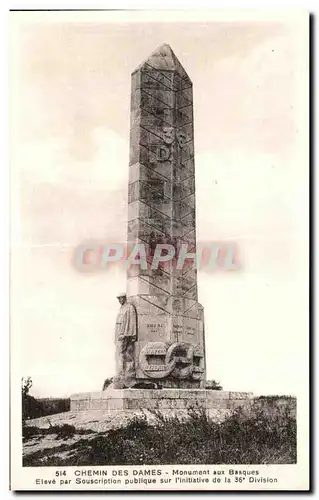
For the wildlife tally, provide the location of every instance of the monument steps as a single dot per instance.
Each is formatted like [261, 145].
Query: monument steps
[161, 399]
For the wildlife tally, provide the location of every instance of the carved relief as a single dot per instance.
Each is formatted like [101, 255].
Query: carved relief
[198, 366]
[163, 153]
[181, 355]
[170, 136]
[152, 360]
[180, 360]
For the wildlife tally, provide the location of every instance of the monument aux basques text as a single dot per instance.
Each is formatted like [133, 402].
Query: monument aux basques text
[160, 335]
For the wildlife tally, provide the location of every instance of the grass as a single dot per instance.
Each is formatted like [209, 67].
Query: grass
[275, 398]
[35, 408]
[251, 436]
[62, 431]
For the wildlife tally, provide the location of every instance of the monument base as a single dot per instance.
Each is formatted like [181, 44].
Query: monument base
[159, 399]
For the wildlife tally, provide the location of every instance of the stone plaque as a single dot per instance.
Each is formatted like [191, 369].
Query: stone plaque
[152, 327]
[180, 360]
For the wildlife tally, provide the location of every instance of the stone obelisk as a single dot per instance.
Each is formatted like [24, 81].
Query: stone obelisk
[161, 210]
[169, 352]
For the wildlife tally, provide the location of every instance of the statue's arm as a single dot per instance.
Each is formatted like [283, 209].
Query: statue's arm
[130, 323]
[134, 322]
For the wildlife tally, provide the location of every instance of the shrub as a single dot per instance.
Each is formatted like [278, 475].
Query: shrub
[107, 382]
[271, 397]
[64, 431]
[247, 436]
[213, 385]
[34, 408]
[50, 406]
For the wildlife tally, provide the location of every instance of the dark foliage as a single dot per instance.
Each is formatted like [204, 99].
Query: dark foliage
[213, 385]
[245, 437]
[50, 406]
[275, 398]
[64, 431]
[31, 408]
[106, 383]
[34, 408]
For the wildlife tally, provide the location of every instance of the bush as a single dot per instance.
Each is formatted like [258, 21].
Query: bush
[213, 385]
[34, 408]
[272, 398]
[31, 408]
[50, 406]
[251, 436]
[107, 382]
[64, 431]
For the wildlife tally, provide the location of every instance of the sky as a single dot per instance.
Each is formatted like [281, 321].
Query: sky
[70, 110]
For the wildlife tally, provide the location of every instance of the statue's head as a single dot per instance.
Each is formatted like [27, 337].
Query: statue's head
[121, 298]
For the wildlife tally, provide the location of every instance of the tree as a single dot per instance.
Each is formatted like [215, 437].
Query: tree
[31, 408]
[26, 384]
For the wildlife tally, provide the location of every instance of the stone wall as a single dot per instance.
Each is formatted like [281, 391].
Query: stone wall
[148, 399]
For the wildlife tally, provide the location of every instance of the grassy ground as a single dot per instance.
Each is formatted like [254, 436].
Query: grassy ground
[253, 436]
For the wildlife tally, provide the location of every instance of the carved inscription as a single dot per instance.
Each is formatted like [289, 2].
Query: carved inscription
[177, 329]
[154, 327]
[181, 360]
[152, 370]
[191, 330]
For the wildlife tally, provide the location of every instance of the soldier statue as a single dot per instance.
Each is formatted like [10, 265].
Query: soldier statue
[125, 336]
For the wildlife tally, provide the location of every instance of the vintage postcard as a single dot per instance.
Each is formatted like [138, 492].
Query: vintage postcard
[159, 250]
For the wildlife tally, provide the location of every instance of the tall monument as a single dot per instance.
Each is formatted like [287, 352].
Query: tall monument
[161, 211]
[159, 329]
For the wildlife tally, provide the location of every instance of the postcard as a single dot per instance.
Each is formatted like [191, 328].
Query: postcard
[159, 250]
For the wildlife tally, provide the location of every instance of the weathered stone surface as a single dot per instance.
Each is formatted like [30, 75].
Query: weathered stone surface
[240, 395]
[151, 399]
[169, 347]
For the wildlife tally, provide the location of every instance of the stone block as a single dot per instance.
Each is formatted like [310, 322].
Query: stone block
[166, 81]
[161, 399]
[164, 404]
[241, 395]
[236, 403]
[134, 404]
[212, 395]
[220, 404]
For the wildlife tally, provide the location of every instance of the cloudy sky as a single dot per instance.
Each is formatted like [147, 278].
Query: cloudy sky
[70, 98]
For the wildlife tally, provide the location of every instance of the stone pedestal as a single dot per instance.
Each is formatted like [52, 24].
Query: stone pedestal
[159, 399]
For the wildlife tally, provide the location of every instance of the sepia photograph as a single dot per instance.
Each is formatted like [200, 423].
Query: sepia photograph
[159, 291]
